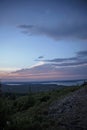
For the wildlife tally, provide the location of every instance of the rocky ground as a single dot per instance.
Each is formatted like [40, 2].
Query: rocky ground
[70, 112]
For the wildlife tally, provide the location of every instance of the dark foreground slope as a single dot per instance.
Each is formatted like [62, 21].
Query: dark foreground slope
[53, 110]
[71, 111]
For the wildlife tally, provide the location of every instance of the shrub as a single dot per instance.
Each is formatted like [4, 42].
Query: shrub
[45, 98]
[24, 103]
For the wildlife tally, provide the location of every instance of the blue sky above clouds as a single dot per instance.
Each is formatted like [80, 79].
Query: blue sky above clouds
[43, 39]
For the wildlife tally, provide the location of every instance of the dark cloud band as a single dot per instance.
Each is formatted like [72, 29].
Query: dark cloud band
[63, 30]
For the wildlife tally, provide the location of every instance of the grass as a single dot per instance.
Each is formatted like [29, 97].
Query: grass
[30, 112]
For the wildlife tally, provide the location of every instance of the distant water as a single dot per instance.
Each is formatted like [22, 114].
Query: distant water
[12, 84]
[24, 87]
[65, 83]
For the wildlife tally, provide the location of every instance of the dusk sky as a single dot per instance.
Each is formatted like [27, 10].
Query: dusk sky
[43, 40]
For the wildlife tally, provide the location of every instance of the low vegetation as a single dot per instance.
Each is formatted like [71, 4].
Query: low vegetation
[29, 112]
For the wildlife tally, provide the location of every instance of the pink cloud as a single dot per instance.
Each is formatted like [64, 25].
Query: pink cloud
[46, 72]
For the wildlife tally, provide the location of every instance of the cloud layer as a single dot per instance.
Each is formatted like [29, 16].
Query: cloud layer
[65, 19]
[63, 30]
[61, 66]
[54, 69]
[79, 60]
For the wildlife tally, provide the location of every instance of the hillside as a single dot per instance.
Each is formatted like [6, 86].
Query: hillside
[65, 108]
[71, 111]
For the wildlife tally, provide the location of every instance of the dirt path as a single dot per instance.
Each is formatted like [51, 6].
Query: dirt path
[70, 113]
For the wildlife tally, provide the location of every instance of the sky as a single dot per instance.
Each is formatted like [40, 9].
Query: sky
[43, 40]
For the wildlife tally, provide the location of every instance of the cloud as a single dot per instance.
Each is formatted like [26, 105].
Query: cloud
[36, 69]
[71, 64]
[82, 53]
[79, 60]
[50, 72]
[62, 59]
[68, 68]
[26, 26]
[40, 72]
[57, 68]
[60, 31]
[47, 72]
[40, 57]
